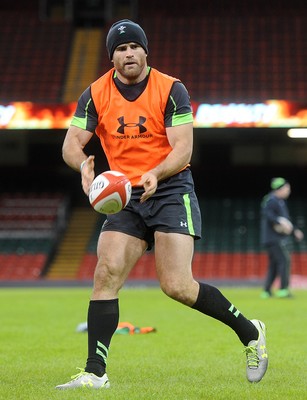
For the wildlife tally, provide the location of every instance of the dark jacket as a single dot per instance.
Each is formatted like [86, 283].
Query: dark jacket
[272, 207]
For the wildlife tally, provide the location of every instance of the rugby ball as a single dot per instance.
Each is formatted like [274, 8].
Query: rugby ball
[110, 192]
[284, 226]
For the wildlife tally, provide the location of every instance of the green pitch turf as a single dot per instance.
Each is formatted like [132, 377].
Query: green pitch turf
[190, 357]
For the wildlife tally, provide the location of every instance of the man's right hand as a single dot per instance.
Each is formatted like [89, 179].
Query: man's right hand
[87, 174]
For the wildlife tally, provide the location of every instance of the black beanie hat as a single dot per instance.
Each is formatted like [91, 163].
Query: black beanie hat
[125, 31]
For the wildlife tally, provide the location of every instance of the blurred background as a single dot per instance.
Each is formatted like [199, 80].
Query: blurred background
[235, 57]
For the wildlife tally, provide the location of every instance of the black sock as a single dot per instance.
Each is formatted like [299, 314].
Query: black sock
[210, 301]
[102, 321]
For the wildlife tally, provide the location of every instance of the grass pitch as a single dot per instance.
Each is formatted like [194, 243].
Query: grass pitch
[190, 357]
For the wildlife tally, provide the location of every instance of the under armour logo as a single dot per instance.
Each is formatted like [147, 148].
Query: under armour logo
[88, 383]
[123, 125]
[183, 224]
[121, 29]
[264, 354]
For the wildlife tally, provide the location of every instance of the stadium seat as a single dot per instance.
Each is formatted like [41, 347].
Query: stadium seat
[29, 226]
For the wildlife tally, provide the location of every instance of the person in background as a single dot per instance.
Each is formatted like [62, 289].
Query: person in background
[275, 231]
[144, 120]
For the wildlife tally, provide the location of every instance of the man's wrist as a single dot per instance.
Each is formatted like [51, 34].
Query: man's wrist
[82, 165]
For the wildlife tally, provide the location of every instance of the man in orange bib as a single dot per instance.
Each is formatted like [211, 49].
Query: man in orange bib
[144, 121]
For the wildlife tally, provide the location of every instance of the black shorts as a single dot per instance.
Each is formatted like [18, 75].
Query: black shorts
[174, 213]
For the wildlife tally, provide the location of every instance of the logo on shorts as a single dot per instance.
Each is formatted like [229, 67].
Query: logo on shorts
[184, 223]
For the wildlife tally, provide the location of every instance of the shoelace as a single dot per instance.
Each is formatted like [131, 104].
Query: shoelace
[252, 356]
[82, 372]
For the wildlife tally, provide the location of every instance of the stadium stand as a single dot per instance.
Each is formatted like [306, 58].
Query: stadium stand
[30, 226]
[230, 51]
[231, 59]
[73, 245]
[86, 45]
[33, 57]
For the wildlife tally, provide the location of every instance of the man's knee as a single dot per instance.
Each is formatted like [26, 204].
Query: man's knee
[179, 291]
